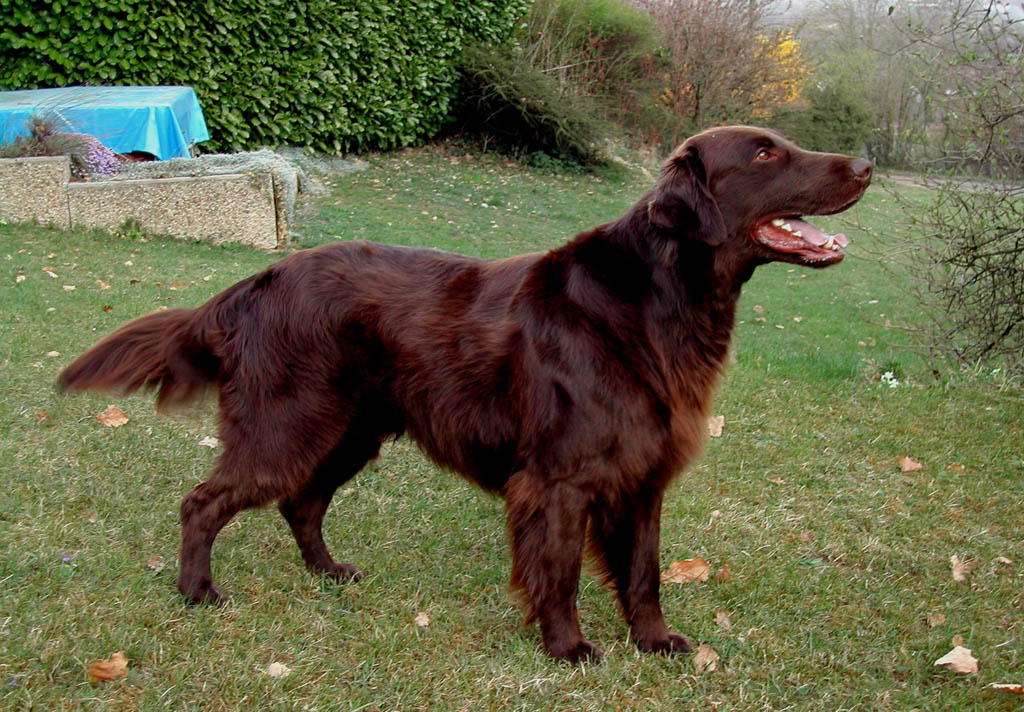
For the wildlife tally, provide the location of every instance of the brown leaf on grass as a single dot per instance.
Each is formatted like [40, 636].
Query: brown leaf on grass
[156, 563]
[705, 659]
[958, 660]
[960, 568]
[107, 308]
[687, 571]
[759, 309]
[1013, 688]
[908, 465]
[936, 619]
[278, 670]
[421, 619]
[723, 574]
[116, 666]
[956, 467]
[112, 417]
[777, 481]
[715, 425]
[101, 284]
[957, 641]
[723, 620]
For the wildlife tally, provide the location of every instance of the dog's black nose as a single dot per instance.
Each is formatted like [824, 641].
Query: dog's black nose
[861, 169]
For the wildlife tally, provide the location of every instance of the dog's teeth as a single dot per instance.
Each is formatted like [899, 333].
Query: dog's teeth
[788, 227]
[777, 222]
[797, 233]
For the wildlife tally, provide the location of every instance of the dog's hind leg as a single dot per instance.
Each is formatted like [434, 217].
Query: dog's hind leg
[624, 544]
[204, 512]
[304, 510]
[547, 524]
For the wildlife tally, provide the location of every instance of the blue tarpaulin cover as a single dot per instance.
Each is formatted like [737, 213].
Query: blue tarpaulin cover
[163, 121]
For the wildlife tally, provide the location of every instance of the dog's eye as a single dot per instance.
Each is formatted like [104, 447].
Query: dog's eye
[764, 155]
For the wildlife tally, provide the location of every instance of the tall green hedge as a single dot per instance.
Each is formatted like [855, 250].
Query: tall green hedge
[332, 75]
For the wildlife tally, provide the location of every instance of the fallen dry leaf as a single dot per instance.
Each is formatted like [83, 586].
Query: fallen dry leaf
[69, 287]
[723, 574]
[723, 620]
[908, 465]
[209, 441]
[936, 619]
[156, 563]
[957, 641]
[278, 670]
[421, 619]
[959, 660]
[116, 666]
[112, 417]
[777, 481]
[956, 467]
[705, 659]
[53, 354]
[1012, 687]
[687, 571]
[759, 309]
[1003, 560]
[19, 279]
[961, 568]
[101, 284]
[715, 425]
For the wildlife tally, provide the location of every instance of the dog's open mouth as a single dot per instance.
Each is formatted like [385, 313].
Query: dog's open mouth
[800, 241]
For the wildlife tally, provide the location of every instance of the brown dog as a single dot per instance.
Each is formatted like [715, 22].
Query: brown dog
[575, 383]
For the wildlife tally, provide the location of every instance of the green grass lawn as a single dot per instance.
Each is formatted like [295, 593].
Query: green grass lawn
[839, 562]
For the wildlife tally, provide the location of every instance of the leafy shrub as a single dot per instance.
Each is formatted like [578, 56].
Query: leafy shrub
[333, 75]
[834, 121]
[509, 99]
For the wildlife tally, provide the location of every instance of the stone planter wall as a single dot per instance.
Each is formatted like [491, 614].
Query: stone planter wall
[223, 208]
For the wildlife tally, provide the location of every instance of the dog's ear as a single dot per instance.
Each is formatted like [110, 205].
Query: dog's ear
[682, 201]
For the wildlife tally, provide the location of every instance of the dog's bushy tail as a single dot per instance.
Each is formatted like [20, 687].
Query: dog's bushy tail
[167, 350]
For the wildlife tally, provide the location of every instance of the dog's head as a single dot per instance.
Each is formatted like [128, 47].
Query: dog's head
[749, 189]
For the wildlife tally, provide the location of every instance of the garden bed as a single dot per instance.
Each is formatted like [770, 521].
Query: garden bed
[247, 208]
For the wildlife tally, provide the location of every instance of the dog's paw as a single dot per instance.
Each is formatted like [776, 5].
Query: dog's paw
[342, 572]
[206, 594]
[581, 651]
[671, 645]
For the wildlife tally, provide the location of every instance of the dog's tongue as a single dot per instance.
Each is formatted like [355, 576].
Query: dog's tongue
[815, 236]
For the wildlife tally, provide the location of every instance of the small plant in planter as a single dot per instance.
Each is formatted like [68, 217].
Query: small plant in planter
[88, 155]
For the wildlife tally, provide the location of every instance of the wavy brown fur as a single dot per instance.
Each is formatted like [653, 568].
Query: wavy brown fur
[575, 383]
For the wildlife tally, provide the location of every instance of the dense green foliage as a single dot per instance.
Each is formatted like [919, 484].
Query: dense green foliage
[578, 73]
[835, 120]
[506, 98]
[331, 75]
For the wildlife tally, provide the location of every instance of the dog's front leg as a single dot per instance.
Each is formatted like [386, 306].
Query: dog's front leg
[625, 546]
[547, 524]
